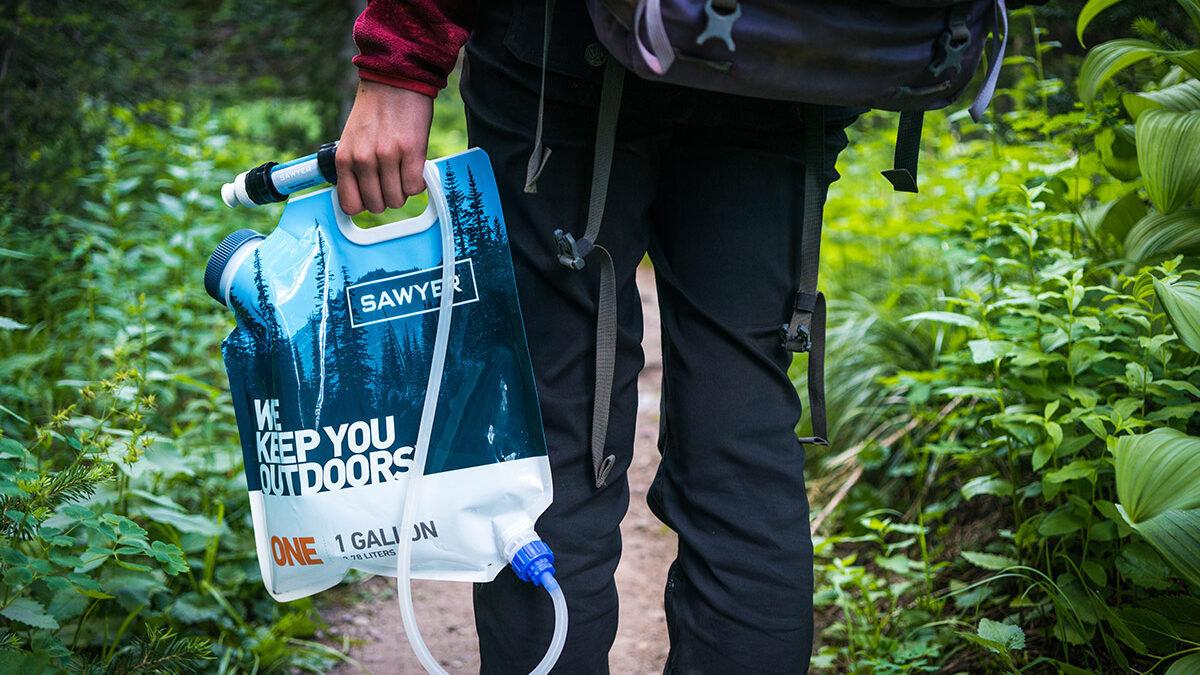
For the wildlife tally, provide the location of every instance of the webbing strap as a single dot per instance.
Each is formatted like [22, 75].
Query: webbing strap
[806, 330]
[903, 174]
[816, 377]
[571, 253]
[994, 60]
[814, 167]
[540, 154]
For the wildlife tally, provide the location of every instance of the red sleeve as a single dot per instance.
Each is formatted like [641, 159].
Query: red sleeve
[412, 44]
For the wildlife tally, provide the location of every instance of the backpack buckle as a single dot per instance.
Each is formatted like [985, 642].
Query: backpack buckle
[721, 15]
[952, 46]
[569, 251]
[797, 341]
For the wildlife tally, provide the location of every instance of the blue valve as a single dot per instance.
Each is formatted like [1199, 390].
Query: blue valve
[534, 562]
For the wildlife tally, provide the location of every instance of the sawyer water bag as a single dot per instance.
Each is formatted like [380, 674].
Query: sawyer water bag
[329, 368]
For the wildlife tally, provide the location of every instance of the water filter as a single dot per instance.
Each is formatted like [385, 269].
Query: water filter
[383, 390]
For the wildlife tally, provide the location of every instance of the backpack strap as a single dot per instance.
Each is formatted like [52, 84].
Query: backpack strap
[806, 330]
[903, 174]
[571, 252]
[995, 58]
[540, 154]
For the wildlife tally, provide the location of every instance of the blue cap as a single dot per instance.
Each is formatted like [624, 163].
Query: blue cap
[532, 561]
[220, 258]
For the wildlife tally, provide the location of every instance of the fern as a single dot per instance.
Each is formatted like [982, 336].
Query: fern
[158, 652]
[1149, 30]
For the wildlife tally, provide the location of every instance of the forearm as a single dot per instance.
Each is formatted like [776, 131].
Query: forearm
[412, 44]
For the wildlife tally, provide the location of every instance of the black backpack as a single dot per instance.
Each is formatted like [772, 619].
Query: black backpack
[902, 55]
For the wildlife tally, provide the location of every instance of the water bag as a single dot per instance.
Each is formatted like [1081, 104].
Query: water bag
[383, 389]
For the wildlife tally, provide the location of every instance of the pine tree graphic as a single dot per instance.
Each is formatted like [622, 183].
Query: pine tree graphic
[454, 201]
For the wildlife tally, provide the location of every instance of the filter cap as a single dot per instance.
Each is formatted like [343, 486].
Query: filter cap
[215, 269]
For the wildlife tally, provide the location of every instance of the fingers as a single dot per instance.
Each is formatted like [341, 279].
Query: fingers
[347, 188]
[368, 180]
[382, 150]
[411, 172]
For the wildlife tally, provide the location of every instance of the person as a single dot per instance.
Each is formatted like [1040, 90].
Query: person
[710, 186]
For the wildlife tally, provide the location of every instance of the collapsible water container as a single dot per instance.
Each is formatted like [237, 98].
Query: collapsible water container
[383, 390]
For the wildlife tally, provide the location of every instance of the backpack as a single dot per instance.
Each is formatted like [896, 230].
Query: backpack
[900, 55]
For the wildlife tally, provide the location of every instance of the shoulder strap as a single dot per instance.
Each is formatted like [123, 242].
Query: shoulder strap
[806, 330]
[571, 252]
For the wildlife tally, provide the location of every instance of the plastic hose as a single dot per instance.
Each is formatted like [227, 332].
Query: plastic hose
[560, 626]
[411, 497]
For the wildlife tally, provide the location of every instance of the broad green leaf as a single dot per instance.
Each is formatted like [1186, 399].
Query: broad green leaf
[1158, 484]
[1106, 60]
[1181, 97]
[1153, 629]
[991, 645]
[29, 612]
[967, 391]
[8, 324]
[1094, 571]
[944, 317]
[1114, 514]
[1156, 472]
[1041, 455]
[1012, 637]
[1080, 468]
[1118, 152]
[1089, 12]
[1167, 143]
[983, 351]
[989, 561]
[987, 485]
[1181, 301]
[1060, 521]
[1186, 665]
[1157, 236]
[1139, 563]
[1192, 7]
[184, 522]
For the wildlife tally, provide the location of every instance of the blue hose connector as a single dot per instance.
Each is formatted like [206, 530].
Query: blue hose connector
[534, 562]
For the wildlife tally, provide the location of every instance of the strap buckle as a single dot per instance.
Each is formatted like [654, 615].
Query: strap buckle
[569, 251]
[952, 45]
[796, 335]
[798, 341]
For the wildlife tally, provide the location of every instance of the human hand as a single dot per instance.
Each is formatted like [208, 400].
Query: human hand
[381, 154]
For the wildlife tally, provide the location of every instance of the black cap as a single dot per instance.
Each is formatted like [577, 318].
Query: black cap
[220, 258]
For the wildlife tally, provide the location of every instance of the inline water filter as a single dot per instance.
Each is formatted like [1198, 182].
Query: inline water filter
[383, 390]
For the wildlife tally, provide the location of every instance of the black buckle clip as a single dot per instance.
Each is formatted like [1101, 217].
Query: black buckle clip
[568, 250]
[797, 342]
[953, 45]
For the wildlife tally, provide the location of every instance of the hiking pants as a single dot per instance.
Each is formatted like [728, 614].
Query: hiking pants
[711, 187]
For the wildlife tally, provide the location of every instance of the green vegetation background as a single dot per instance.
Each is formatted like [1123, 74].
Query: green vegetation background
[1012, 378]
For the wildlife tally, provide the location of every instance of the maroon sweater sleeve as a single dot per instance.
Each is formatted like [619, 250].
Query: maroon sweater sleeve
[412, 43]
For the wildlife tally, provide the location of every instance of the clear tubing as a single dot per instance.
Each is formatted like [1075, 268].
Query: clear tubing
[560, 626]
[411, 498]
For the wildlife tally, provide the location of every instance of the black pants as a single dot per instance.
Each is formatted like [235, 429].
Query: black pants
[711, 186]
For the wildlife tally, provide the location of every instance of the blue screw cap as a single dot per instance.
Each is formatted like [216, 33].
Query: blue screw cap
[220, 258]
[532, 561]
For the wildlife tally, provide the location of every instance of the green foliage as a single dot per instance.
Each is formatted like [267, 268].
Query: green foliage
[128, 537]
[1042, 278]
[62, 64]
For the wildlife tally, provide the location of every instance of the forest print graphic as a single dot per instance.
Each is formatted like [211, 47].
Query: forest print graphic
[330, 358]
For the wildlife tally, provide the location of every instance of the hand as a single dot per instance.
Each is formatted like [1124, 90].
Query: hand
[381, 154]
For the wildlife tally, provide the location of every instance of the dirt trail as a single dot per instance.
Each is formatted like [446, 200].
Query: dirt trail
[370, 618]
